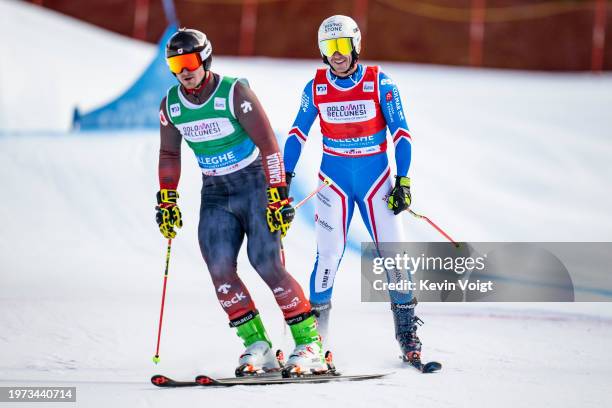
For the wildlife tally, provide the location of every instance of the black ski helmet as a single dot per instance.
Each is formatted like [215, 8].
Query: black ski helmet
[187, 41]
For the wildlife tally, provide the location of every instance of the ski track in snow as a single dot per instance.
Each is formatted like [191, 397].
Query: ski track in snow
[498, 155]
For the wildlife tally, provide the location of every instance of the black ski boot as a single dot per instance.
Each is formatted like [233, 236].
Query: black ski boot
[406, 324]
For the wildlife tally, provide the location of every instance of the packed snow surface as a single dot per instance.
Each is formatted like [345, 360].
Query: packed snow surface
[497, 156]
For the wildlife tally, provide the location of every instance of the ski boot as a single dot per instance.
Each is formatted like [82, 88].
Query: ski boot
[406, 324]
[322, 310]
[258, 357]
[307, 358]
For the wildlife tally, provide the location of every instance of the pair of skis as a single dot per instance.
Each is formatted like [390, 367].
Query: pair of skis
[279, 377]
[259, 379]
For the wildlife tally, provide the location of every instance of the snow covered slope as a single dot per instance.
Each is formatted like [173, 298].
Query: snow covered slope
[497, 156]
[51, 63]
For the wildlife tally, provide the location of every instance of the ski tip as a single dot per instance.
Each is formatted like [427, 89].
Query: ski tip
[431, 367]
[159, 380]
[204, 380]
[425, 368]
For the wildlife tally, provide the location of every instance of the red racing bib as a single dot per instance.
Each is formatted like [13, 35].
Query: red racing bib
[351, 112]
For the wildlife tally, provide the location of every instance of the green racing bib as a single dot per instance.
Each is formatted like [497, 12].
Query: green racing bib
[220, 143]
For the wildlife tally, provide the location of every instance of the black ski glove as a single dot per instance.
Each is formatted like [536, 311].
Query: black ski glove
[400, 198]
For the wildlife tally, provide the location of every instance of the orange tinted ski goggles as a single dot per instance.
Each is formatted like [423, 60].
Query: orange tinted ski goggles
[191, 62]
[343, 45]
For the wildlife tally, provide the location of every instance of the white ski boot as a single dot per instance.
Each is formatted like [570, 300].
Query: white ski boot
[307, 358]
[258, 358]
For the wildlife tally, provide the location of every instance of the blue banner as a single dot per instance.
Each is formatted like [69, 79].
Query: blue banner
[138, 107]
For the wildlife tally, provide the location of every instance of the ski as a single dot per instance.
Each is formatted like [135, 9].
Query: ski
[162, 381]
[207, 381]
[429, 367]
[259, 379]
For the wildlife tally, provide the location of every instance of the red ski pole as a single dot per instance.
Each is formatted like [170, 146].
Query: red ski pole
[435, 226]
[163, 301]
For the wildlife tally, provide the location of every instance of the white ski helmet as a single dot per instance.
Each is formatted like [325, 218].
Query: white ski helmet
[339, 26]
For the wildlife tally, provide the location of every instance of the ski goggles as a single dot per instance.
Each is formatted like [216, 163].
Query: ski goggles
[191, 62]
[343, 45]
